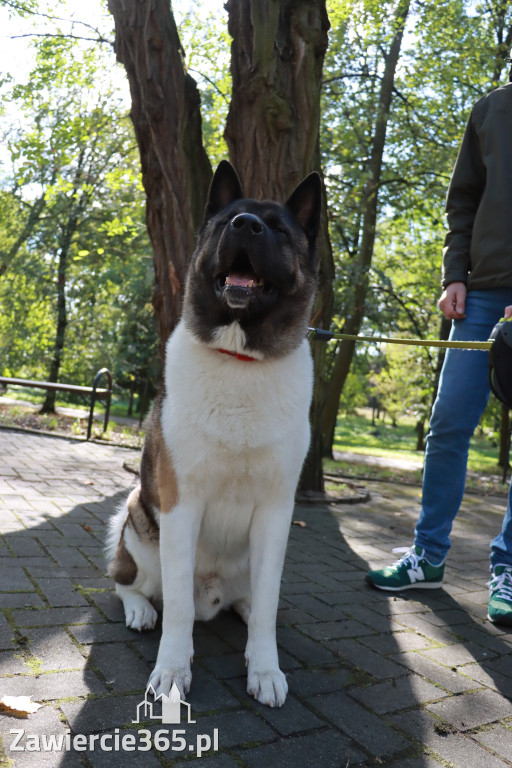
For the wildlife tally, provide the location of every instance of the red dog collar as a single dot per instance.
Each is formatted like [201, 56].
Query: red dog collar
[237, 355]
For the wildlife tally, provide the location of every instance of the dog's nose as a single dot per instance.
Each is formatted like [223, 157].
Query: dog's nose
[248, 222]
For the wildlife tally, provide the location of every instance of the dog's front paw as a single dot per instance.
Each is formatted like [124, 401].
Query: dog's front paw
[268, 686]
[162, 679]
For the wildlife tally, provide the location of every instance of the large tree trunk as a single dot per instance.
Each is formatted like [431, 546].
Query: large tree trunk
[370, 208]
[272, 133]
[176, 172]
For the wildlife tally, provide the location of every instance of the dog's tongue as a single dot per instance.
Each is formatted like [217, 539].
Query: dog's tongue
[244, 281]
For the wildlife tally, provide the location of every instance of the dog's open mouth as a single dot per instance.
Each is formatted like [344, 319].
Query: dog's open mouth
[240, 279]
[244, 281]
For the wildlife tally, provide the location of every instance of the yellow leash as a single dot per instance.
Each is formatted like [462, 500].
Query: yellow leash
[317, 334]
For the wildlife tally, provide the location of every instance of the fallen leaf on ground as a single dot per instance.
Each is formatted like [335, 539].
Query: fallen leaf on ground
[19, 706]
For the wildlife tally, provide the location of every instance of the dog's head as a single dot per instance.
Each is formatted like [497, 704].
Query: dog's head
[255, 266]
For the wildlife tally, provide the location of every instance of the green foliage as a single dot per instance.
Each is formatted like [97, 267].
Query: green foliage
[452, 53]
[26, 324]
[207, 45]
[19, 7]
[73, 170]
[74, 182]
[355, 393]
[404, 384]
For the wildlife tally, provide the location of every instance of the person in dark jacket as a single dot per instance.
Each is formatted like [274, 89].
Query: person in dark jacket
[477, 292]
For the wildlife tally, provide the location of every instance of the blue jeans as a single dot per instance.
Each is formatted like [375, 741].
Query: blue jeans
[462, 397]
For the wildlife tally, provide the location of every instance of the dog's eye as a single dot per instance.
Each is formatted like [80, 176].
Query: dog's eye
[216, 601]
[276, 226]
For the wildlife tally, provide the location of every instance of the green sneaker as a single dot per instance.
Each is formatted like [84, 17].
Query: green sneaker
[500, 595]
[411, 571]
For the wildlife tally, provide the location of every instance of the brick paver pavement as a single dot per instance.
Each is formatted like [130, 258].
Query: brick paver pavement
[411, 680]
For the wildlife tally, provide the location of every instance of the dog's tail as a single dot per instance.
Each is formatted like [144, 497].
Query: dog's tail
[121, 565]
[115, 531]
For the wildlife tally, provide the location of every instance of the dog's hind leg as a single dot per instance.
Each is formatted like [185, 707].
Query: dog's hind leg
[135, 563]
[144, 565]
[243, 608]
[138, 611]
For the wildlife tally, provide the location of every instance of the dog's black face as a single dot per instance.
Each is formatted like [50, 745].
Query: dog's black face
[254, 264]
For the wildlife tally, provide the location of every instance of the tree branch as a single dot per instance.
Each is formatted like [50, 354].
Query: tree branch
[99, 39]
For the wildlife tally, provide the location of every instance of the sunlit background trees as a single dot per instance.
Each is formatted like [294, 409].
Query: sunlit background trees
[76, 263]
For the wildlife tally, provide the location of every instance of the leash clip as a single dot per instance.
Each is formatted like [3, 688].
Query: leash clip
[318, 334]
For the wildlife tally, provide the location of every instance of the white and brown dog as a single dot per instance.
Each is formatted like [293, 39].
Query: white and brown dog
[208, 525]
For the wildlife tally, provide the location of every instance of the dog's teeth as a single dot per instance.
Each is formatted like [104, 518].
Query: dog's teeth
[242, 281]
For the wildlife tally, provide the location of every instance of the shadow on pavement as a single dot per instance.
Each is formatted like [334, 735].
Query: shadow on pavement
[373, 679]
[72, 652]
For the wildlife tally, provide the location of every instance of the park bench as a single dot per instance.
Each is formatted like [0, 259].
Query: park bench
[93, 393]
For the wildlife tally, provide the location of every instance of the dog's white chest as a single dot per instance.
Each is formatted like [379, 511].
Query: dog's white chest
[229, 419]
[237, 432]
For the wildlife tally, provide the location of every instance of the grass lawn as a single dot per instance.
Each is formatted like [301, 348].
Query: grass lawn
[118, 407]
[25, 414]
[356, 433]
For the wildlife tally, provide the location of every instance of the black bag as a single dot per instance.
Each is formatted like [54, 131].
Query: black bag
[500, 361]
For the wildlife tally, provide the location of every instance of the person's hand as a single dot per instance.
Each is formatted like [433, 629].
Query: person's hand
[453, 301]
[508, 312]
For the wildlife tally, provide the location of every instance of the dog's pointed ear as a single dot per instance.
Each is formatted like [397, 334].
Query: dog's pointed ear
[305, 203]
[224, 189]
